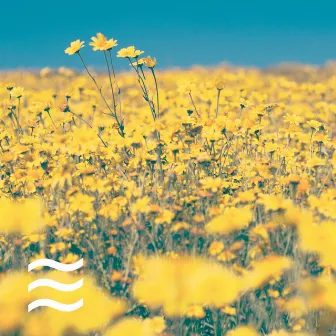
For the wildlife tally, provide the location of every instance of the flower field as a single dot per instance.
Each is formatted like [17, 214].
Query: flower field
[203, 201]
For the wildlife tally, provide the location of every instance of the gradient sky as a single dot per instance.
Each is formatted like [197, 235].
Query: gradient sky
[34, 33]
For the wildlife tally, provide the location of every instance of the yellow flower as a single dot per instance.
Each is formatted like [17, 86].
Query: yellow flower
[213, 184]
[74, 48]
[195, 311]
[180, 226]
[286, 333]
[295, 306]
[100, 42]
[98, 310]
[158, 324]
[274, 202]
[299, 325]
[264, 270]
[215, 248]
[229, 310]
[177, 284]
[141, 205]
[243, 331]
[245, 196]
[70, 258]
[82, 202]
[319, 239]
[110, 44]
[150, 63]
[244, 103]
[271, 147]
[13, 301]
[293, 119]
[17, 92]
[273, 293]
[187, 87]
[232, 219]
[131, 326]
[138, 62]
[314, 124]
[9, 86]
[166, 216]
[219, 83]
[8, 157]
[129, 52]
[24, 217]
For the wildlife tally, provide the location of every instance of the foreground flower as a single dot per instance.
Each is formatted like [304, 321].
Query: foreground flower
[98, 310]
[286, 333]
[13, 301]
[319, 238]
[74, 48]
[137, 327]
[267, 269]
[231, 220]
[178, 284]
[243, 331]
[24, 217]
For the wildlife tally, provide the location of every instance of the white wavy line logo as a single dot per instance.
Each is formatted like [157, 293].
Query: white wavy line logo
[55, 285]
[56, 265]
[55, 305]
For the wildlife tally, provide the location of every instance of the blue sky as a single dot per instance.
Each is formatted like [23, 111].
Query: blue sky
[179, 33]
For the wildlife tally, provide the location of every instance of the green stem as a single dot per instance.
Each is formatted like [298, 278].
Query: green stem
[79, 117]
[51, 119]
[116, 82]
[144, 89]
[110, 79]
[193, 103]
[18, 116]
[218, 95]
[157, 93]
[18, 123]
[120, 126]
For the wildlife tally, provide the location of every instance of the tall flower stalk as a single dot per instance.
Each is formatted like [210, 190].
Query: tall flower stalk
[99, 43]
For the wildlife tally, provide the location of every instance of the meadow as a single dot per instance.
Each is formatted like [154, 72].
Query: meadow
[203, 200]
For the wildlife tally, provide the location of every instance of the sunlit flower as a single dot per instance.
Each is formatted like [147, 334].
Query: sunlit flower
[129, 52]
[100, 42]
[74, 48]
[150, 63]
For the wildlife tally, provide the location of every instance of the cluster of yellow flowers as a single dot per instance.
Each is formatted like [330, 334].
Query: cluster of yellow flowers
[203, 201]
